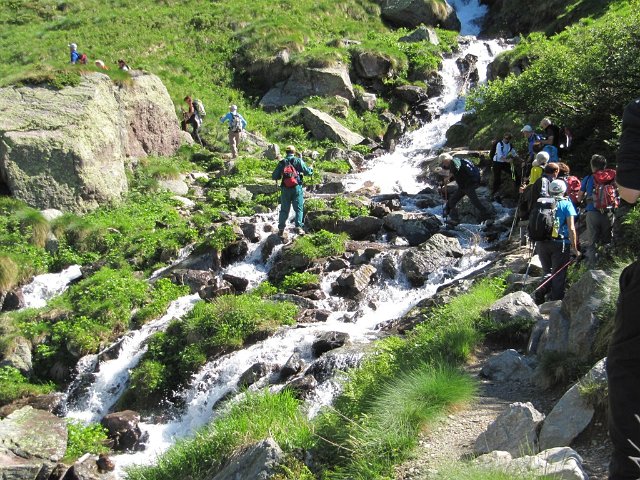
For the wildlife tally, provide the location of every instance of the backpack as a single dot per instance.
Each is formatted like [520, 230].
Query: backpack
[290, 176]
[199, 107]
[469, 171]
[542, 219]
[494, 147]
[605, 196]
[82, 59]
[236, 123]
[573, 188]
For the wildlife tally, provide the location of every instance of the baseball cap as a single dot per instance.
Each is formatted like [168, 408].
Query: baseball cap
[527, 128]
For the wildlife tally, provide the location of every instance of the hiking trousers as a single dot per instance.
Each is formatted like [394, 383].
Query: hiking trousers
[497, 169]
[623, 367]
[195, 125]
[553, 255]
[598, 232]
[234, 143]
[469, 191]
[289, 197]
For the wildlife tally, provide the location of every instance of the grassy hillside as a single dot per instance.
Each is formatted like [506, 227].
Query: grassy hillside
[201, 47]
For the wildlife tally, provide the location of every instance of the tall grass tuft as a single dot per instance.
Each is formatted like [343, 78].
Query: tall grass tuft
[32, 223]
[8, 273]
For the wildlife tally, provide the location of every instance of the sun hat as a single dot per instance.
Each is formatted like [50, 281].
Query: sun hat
[73, 46]
[557, 187]
[233, 108]
[527, 128]
[445, 156]
[290, 149]
[540, 159]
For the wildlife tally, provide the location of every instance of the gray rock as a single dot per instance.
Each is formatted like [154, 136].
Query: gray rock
[353, 284]
[31, 442]
[239, 284]
[514, 306]
[13, 300]
[372, 65]
[87, 468]
[367, 101]
[411, 94]
[306, 82]
[217, 288]
[340, 359]
[507, 365]
[322, 126]
[66, 149]
[412, 13]
[573, 413]
[254, 373]
[536, 336]
[294, 365]
[124, 430]
[272, 152]
[416, 228]
[421, 34]
[302, 386]
[298, 300]
[196, 280]
[257, 461]
[50, 214]
[176, 186]
[328, 341]
[17, 354]
[439, 251]
[360, 228]
[515, 431]
[561, 463]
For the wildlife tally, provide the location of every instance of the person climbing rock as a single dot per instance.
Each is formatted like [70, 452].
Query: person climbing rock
[192, 117]
[291, 171]
[237, 124]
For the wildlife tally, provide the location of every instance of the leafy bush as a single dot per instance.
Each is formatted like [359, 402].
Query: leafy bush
[320, 244]
[83, 439]
[298, 281]
[163, 292]
[348, 208]
[13, 385]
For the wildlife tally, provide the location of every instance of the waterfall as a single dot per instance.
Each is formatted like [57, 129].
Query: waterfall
[44, 287]
[218, 379]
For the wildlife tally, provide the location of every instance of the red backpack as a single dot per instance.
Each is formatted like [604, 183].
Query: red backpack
[605, 196]
[573, 188]
[290, 176]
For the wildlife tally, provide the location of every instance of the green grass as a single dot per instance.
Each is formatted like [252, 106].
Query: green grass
[320, 244]
[258, 416]
[469, 471]
[83, 439]
[13, 385]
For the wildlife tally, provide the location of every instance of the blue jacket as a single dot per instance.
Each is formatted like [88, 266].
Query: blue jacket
[229, 117]
[75, 56]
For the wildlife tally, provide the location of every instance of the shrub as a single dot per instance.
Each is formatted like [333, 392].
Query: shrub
[13, 385]
[320, 244]
[299, 281]
[83, 439]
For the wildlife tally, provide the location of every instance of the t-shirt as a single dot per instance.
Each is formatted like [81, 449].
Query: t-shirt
[503, 149]
[586, 186]
[564, 209]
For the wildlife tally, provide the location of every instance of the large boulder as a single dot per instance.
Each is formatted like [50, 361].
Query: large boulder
[370, 65]
[507, 365]
[513, 307]
[561, 463]
[307, 82]
[573, 412]
[31, 441]
[17, 354]
[515, 431]
[257, 461]
[439, 251]
[124, 430]
[412, 13]
[67, 148]
[322, 125]
[417, 228]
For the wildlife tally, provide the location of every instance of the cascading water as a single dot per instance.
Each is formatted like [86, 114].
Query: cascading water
[44, 287]
[396, 172]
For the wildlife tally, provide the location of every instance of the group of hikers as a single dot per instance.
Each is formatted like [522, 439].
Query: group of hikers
[77, 58]
[551, 202]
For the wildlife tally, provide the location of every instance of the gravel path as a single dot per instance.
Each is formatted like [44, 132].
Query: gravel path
[453, 438]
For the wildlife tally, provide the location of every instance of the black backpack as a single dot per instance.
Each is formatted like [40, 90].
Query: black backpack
[542, 219]
[565, 139]
[493, 149]
[469, 171]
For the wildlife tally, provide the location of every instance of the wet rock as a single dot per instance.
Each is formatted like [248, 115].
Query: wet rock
[302, 386]
[196, 280]
[217, 288]
[287, 262]
[270, 244]
[416, 228]
[389, 267]
[439, 251]
[233, 253]
[410, 94]
[353, 284]
[250, 231]
[88, 467]
[328, 341]
[256, 461]
[343, 358]
[14, 300]
[293, 366]
[239, 284]
[254, 373]
[336, 264]
[124, 430]
[359, 228]
[295, 299]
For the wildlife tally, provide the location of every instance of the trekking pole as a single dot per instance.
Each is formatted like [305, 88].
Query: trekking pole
[556, 273]
[515, 216]
[526, 273]
[444, 206]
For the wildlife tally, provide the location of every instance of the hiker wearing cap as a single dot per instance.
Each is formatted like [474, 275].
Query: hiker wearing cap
[623, 356]
[531, 137]
[237, 124]
[502, 162]
[291, 170]
[537, 189]
[74, 54]
[556, 252]
[467, 176]
[192, 117]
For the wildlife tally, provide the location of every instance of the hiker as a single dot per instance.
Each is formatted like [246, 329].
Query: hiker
[540, 188]
[555, 252]
[537, 167]
[573, 182]
[192, 117]
[623, 356]
[76, 57]
[467, 176]
[291, 169]
[598, 220]
[551, 133]
[236, 126]
[100, 64]
[531, 137]
[122, 65]
[502, 162]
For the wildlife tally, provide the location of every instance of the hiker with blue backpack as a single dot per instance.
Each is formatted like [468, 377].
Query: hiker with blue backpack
[467, 176]
[291, 170]
[237, 124]
[192, 117]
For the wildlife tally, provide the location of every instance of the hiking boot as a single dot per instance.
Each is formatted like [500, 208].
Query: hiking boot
[281, 232]
[300, 231]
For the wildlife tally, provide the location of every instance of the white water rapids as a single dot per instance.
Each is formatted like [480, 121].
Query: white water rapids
[392, 173]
